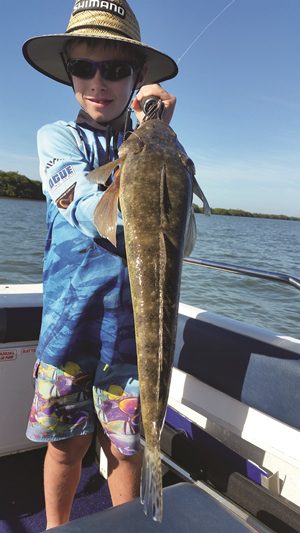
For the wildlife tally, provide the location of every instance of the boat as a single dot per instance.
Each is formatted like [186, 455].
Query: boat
[230, 446]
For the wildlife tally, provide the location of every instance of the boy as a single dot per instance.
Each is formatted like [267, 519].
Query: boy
[86, 361]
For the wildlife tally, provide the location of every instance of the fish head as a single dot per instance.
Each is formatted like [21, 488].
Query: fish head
[150, 133]
[134, 144]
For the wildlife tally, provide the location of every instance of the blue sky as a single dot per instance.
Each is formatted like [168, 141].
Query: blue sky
[238, 91]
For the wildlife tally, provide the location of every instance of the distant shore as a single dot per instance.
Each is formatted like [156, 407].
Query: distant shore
[15, 185]
[241, 213]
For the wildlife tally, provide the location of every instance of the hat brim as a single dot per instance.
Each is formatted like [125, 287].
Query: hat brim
[44, 53]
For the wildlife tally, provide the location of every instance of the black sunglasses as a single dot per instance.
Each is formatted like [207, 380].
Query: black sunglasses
[111, 70]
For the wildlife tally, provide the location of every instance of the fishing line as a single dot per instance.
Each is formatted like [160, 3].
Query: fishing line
[205, 29]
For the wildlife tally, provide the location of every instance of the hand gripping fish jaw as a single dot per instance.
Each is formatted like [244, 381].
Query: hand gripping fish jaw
[153, 107]
[153, 135]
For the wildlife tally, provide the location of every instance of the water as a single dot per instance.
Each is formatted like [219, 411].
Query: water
[22, 237]
[258, 243]
[265, 244]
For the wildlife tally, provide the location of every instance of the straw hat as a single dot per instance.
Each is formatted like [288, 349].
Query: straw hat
[114, 21]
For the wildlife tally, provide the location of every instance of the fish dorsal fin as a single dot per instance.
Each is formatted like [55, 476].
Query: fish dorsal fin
[101, 174]
[188, 163]
[106, 212]
[198, 191]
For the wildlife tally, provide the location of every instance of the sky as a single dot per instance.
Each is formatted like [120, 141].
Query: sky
[238, 92]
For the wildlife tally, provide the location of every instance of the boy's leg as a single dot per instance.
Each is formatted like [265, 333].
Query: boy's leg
[124, 472]
[117, 404]
[62, 471]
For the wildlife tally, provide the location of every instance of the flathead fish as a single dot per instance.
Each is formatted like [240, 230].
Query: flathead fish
[154, 187]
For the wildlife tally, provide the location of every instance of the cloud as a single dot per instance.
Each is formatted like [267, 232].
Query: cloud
[277, 101]
[266, 184]
[25, 164]
[17, 156]
[269, 168]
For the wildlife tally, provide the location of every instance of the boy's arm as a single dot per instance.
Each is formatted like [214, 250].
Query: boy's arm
[63, 167]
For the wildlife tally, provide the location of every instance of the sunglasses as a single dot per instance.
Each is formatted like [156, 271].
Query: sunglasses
[110, 70]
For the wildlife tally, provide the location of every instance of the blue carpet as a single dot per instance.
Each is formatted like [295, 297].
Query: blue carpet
[22, 507]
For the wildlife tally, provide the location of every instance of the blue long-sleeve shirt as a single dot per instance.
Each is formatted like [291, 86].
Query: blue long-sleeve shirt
[87, 309]
[67, 153]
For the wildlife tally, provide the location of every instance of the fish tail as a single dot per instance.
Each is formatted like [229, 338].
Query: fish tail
[151, 485]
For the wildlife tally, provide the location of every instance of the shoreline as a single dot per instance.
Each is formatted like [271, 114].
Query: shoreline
[23, 198]
[18, 187]
[246, 214]
[219, 211]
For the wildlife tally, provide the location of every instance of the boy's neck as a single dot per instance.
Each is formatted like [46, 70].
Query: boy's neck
[85, 120]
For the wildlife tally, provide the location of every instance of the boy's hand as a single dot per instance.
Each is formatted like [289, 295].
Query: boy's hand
[154, 90]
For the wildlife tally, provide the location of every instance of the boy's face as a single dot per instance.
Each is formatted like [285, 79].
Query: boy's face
[103, 100]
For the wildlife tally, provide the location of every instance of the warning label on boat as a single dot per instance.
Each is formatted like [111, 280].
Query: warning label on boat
[28, 350]
[8, 355]
[12, 352]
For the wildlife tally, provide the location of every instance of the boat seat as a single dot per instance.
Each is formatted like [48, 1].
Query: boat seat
[187, 508]
[263, 374]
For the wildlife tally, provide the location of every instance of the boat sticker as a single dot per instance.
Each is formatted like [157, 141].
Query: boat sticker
[66, 198]
[27, 350]
[8, 355]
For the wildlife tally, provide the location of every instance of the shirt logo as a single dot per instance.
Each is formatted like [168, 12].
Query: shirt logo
[60, 176]
[99, 5]
[66, 198]
[52, 163]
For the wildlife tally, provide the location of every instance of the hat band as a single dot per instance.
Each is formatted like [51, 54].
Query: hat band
[109, 31]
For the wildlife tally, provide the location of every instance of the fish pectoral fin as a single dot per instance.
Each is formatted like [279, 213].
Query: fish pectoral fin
[198, 191]
[106, 212]
[187, 162]
[101, 174]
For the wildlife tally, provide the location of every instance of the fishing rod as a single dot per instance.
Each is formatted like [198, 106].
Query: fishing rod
[208, 25]
[251, 272]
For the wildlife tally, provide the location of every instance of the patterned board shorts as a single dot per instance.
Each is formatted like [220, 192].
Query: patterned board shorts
[67, 403]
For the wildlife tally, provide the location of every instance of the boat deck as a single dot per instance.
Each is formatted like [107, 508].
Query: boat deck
[232, 424]
[22, 508]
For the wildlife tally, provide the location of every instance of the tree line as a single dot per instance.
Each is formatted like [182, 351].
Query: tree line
[241, 213]
[15, 185]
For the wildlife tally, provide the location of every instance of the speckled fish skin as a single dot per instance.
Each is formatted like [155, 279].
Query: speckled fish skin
[155, 196]
[154, 186]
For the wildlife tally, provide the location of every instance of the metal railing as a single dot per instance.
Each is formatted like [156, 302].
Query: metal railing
[252, 272]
